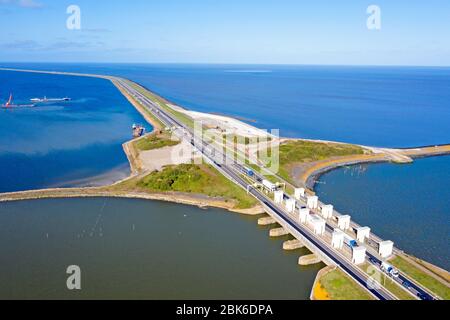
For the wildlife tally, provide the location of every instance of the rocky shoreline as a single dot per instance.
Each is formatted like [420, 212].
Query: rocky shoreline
[103, 192]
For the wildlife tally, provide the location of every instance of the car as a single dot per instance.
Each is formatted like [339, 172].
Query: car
[373, 260]
[406, 284]
[423, 296]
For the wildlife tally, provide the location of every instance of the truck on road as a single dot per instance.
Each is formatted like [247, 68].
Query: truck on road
[387, 268]
[350, 242]
[249, 171]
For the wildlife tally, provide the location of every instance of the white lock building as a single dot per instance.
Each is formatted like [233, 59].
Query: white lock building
[278, 196]
[299, 192]
[344, 222]
[318, 224]
[304, 215]
[337, 239]
[312, 202]
[290, 205]
[359, 255]
[385, 248]
[327, 211]
[362, 233]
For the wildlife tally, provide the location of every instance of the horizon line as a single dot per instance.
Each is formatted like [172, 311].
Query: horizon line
[230, 64]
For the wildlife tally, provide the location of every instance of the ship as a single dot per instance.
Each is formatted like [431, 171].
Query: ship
[138, 130]
[10, 105]
[47, 100]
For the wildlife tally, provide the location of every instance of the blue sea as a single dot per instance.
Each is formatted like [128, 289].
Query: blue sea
[379, 106]
[74, 143]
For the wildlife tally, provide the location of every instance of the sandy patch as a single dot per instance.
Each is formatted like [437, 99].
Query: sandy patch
[156, 159]
[229, 124]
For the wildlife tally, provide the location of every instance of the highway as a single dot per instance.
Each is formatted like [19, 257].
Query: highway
[233, 171]
[408, 284]
[403, 280]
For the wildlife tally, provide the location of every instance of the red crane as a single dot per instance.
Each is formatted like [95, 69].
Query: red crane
[9, 101]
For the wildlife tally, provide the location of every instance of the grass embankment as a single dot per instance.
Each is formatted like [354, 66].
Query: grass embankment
[336, 285]
[155, 141]
[196, 179]
[187, 178]
[422, 277]
[243, 140]
[384, 280]
[295, 152]
[156, 123]
[395, 289]
[163, 104]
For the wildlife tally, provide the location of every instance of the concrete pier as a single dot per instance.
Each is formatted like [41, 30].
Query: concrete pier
[278, 232]
[308, 259]
[265, 221]
[292, 244]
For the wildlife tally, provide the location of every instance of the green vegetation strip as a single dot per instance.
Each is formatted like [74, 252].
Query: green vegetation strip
[422, 277]
[155, 121]
[340, 287]
[197, 179]
[162, 103]
[396, 290]
[387, 282]
[293, 152]
[154, 141]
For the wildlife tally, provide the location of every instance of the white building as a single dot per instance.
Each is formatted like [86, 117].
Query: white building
[290, 205]
[385, 248]
[271, 187]
[344, 222]
[318, 224]
[327, 211]
[337, 240]
[278, 196]
[312, 202]
[359, 255]
[299, 192]
[304, 215]
[362, 233]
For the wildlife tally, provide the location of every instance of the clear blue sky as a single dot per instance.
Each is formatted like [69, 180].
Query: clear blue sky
[231, 31]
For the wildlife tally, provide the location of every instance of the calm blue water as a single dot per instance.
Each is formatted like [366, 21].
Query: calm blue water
[409, 204]
[381, 106]
[62, 144]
